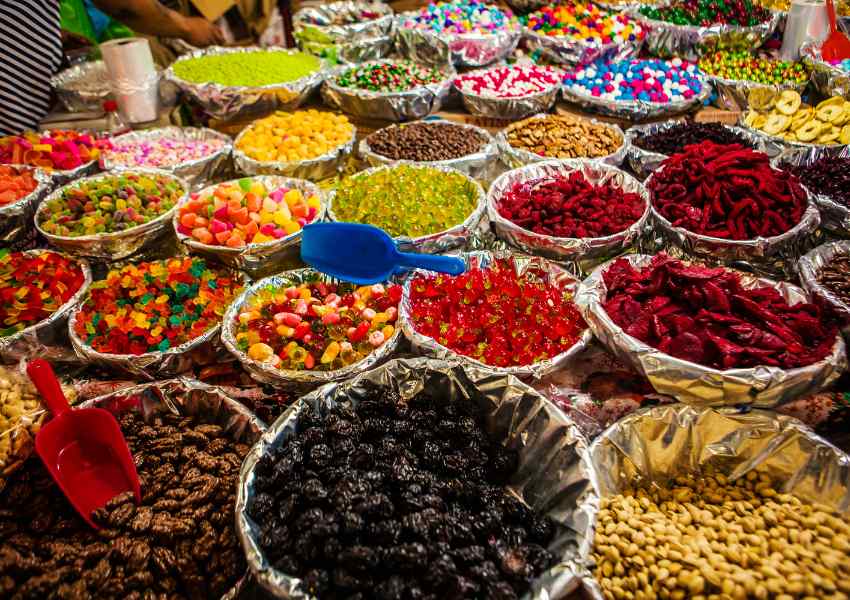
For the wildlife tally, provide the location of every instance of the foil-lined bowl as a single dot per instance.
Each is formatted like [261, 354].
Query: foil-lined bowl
[827, 79]
[573, 51]
[59, 177]
[234, 102]
[118, 244]
[692, 383]
[312, 169]
[834, 215]
[732, 94]
[470, 49]
[809, 268]
[260, 258]
[48, 338]
[433, 243]
[289, 378]
[661, 443]
[428, 346]
[83, 87]
[689, 42]
[783, 144]
[316, 28]
[471, 164]
[518, 157]
[196, 172]
[645, 162]
[16, 217]
[584, 251]
[406, 105]
[513, 108]
[553, 476]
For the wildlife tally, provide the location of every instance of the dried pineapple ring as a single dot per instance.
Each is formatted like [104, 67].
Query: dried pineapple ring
[801, 117]
[776, 124]
[834, 101]
[845, 115]
[761, 98]
[844, 138]
[788, 103]
[829, 113]
[789, 136]
[759, 121]
[809, 131]
[828, 136]
[750, 118]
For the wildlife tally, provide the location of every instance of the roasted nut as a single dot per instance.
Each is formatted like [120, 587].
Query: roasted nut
[558, 136]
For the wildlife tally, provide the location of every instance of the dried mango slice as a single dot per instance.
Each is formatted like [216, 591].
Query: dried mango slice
[788, 103]
[776, 124]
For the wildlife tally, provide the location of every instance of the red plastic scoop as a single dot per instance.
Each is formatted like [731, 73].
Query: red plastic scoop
[837, 45]
[83, 449]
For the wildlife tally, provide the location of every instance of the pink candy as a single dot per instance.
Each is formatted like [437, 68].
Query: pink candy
[159, 152]
[509, 82]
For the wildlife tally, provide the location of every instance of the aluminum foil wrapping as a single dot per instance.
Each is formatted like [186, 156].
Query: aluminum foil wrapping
[316, 27]
[732, 93]
[828, 80]
[689, 42]
[62, 177]
[117, 245]
[573, 52]
[509, 108]
[430, 347]
[659, 443]
[365, 50]
[232, 102]
[471, 164]
[763, 386]
[434, 243]
[298, 380]
[553, 477]
[83, 87]
[48, 338]
[313, 169]
[256, 259]
[645, 162]
[16, 217]
[407, 105]
[195, 172]
[834, 215]
[517, 157]
[461, 50]
[188, 397]
[580, 250]
[809, 268]
[636, 110]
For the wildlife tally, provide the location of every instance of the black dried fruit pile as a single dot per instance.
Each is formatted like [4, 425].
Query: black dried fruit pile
[673, 140]
[398, 502]
[423, 141]
[179, 543]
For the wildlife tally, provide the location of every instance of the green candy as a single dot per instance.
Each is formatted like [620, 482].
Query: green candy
[248, 69]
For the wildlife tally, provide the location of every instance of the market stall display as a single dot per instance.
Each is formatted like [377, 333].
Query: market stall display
[786, 118]
[65, 155]
[345, 31]
[825, 174]
[509, 92]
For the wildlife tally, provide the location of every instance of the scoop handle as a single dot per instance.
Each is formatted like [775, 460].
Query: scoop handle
[432, 262]
[42, 376]
[830, 11]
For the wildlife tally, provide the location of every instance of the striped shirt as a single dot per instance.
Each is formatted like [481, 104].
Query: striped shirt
[30, 55]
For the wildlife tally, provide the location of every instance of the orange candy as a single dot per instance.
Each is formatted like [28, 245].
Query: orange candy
[15, 183]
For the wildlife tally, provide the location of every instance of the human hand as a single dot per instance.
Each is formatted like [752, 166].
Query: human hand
[200, 32]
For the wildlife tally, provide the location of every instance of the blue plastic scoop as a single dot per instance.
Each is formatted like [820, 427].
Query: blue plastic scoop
[365, 254]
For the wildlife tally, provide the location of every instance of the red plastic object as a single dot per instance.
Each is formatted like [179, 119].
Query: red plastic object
[837, 45]
[83, 449]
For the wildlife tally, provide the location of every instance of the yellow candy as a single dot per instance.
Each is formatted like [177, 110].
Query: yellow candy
[291, 227]
[388, 330]
[330, 353]
[296, 136]
[260, 352]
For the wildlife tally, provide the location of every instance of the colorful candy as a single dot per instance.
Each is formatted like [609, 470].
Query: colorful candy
[585, 23]
[744, 66]
[60, 150]
[495, 315]
[462, 16]
[397, 76]
[705, 13]
[649, 80]
[154, 306]
[407, 200]
[263, 67]
[33, 286]
[242, 212]
[844, 65]
[509, 82]
[317, 326]
[160, 152]
[295, 136]
[16, 183]
[109, 204]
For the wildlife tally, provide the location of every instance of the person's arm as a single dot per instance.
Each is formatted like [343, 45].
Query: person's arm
[152, 18]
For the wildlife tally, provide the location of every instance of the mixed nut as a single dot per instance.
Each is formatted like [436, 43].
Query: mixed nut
[559, 136]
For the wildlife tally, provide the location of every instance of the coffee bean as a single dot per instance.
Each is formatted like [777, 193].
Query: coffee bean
[426, 141]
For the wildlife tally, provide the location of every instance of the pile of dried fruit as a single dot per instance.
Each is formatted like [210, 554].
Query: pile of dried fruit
[495, 315]
[558, 136]
[828, 175]
[727, 192]
[398, 499]
[706, 315]
[785, 115]
[673, 140]
[567, 205]
[835, 276]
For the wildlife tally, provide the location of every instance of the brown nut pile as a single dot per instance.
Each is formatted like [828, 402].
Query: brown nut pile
[426, 141]
[704, 537]
[559, 136]
[179, 543]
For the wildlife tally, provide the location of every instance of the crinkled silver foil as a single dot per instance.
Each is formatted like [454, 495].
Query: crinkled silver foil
[553, 477]
[762, 386]
[313, 169]
[263, 258]
[365, 50]
[644, 162]
[299, 380]
[509, 108]
[322, 18]
[16, 217]
[689, 42]
[834, 215]
[732, 93]
[517, 157]
[472, 164]
[572, 51]
[188, 397]
[584, 251]
[810, 266]
[117, 245]
[48, 338]
[636, 110]
[83, 87]
[232, 102]
[408, 105]
[434, 243]
[62, 177]
[828, 79]
[196, 172]
[459, 49]
[556, 275]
